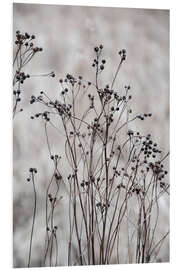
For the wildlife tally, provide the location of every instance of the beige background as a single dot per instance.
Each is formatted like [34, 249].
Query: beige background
[68, 35]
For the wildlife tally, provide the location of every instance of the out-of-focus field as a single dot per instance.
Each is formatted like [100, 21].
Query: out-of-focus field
[68, 35]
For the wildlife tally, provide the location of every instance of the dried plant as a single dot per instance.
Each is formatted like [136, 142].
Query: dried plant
[24, 53]
[116, 174]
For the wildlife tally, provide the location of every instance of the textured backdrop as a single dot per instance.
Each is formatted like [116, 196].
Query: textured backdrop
[68, 35]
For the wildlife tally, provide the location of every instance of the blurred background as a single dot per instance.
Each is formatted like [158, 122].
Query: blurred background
[68, 35]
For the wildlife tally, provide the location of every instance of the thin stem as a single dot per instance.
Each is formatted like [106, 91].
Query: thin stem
[33, 222]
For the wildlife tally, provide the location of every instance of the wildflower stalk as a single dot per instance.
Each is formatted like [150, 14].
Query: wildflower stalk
[32, 171]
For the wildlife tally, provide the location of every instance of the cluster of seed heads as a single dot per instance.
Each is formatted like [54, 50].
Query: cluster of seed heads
[26, 40]
[122, 53]
[32, 171]
[21, 76]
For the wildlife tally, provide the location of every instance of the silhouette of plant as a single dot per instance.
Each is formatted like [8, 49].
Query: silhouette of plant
[115, 174]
